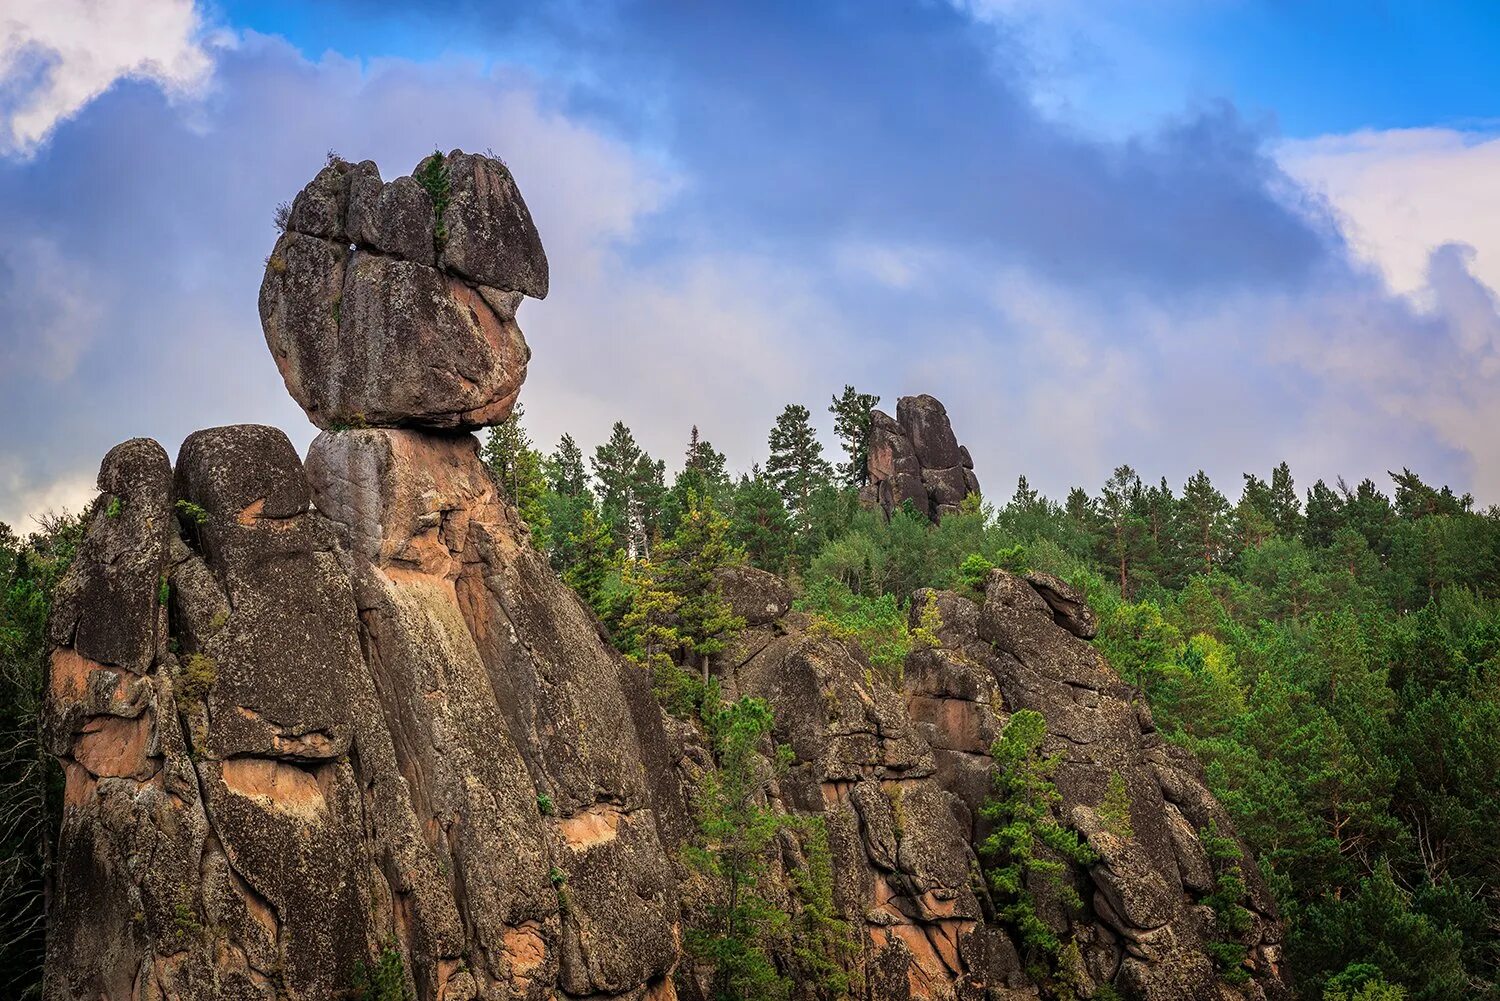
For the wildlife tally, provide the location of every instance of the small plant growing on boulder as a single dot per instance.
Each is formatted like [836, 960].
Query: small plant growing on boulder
[1114, 809]
[282, 217]
[190, 513]
[432, 175]
[113, 509]
[196, 676]
[1231, 920]
[544, 804]
[385, 981]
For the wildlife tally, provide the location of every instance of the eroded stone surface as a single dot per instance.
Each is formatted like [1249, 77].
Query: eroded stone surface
[381, 314]
[914, 458]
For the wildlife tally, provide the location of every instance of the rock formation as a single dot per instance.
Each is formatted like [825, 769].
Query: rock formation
[916, 457]
[320, 715]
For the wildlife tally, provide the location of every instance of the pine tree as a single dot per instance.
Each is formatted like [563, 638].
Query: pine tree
[1125, 535]
[518, 468]
[685, 564]
[565, 471]
[648, 496]
[594, 560]
[1286, 509]
[759, 522]
[1204, 513]
[1324, 516]
[1253, 522]
[737, 831]
[851, 425]
[615, 465]
[1027, 845]
[796, 465]
[703, 476]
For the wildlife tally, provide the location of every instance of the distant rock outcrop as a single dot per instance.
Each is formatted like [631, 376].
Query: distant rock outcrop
[916, 457]
[313, 714]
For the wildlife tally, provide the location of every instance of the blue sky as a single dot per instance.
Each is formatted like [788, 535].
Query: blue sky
[1180, 235]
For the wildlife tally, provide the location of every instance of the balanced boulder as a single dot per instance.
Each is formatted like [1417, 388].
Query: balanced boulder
[394, 304]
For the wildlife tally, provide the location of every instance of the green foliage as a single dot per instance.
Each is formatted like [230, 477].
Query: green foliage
[115, 506]
[825, 948]
[544, 804]
[1114, 808]
[190, 513]
[432, 175]
[1028, 851]
[929, 624]
[385, 981]
[737, 830]
[1231, 919]
[878, 626]
[195, 676]
[518, 468]
[851, 425]
[163, 590]
[30, 780]
[677, 616]
[1362, 982]
[796, 464]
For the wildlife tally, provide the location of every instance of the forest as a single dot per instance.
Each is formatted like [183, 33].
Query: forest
[1330, 653]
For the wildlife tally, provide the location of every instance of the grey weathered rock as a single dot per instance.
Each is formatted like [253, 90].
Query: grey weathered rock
[490, 236]
[371, 326]
[915, 458]
[757, 597]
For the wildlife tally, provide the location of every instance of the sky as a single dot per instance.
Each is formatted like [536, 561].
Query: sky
[1178, 235]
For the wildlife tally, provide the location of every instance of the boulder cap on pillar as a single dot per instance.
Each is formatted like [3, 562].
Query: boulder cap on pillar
[393, 304]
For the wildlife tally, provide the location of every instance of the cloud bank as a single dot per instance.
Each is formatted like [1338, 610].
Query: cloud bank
[746, 207]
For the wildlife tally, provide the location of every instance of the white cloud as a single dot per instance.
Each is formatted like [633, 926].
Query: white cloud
[23, 502]
[1403, 193]
[58, 55]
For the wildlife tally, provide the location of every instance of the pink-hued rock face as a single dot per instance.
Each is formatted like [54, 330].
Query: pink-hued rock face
[381, 311]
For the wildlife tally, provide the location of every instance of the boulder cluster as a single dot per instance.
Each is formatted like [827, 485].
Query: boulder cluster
[915, 457]
[393, 304]
[327, 715]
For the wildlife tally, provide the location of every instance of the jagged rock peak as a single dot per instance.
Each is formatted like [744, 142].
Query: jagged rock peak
[916, 457]
[394, 304]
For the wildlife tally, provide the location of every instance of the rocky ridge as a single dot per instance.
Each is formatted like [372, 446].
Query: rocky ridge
[313, 713]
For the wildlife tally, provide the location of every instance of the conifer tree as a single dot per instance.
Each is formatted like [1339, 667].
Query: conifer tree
[615, 464]
[1027, 844]
[1324, 516]
[1286, 509]
[1204, 514]
[796, 464]
[736, 833]
[851, 425]
[565, 471]
[1125, 536]
[593, 560]
[759, 522]
[518, 468]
